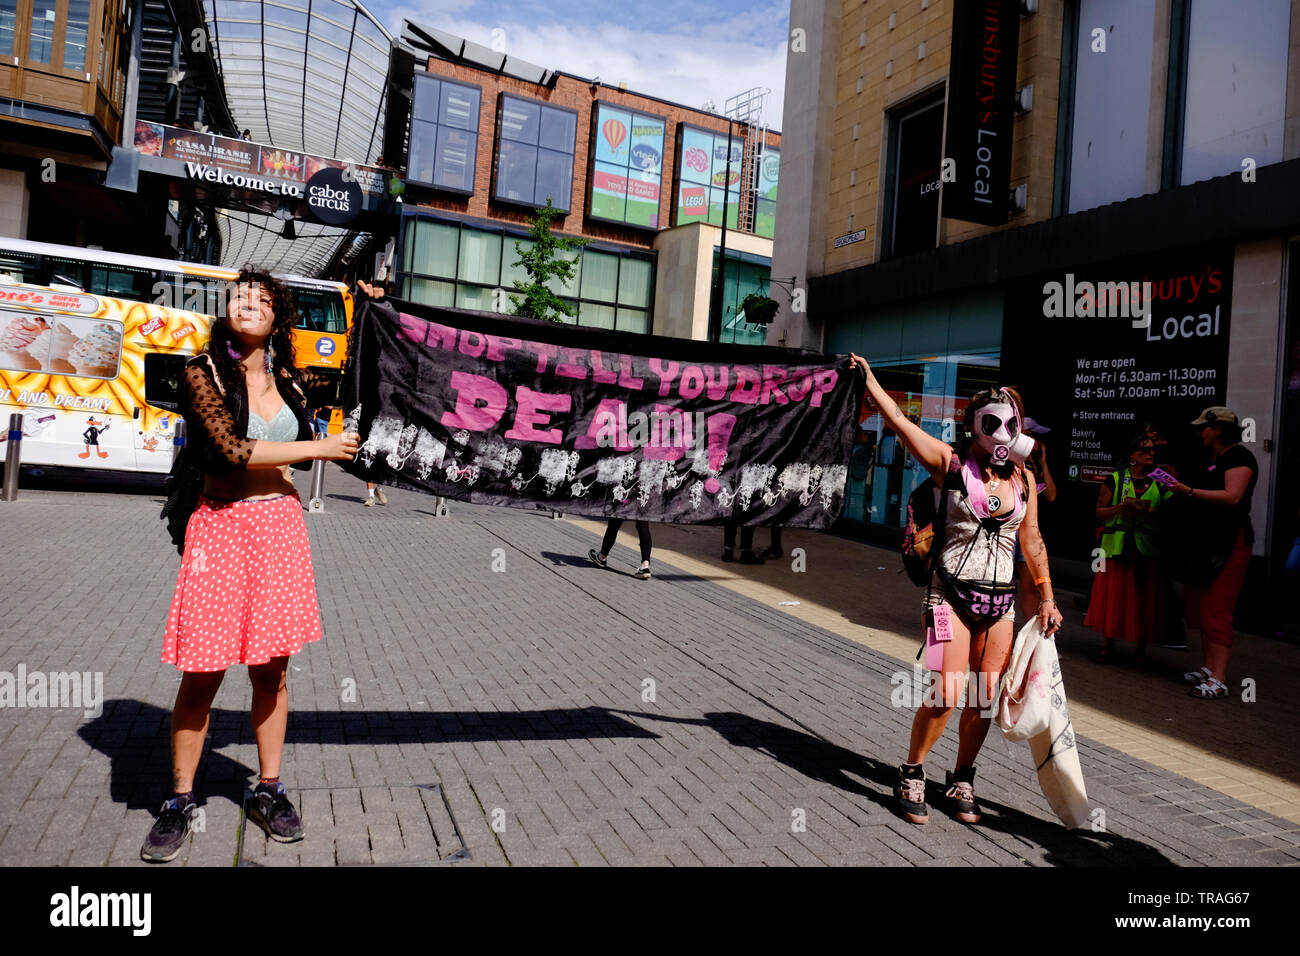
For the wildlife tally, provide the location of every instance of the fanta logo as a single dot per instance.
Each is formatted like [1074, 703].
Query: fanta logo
[184, 330]
[324, 347]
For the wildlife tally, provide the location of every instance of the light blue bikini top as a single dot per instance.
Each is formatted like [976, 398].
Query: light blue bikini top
[282, 427]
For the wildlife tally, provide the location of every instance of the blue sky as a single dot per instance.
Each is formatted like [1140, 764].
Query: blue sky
[687, 51]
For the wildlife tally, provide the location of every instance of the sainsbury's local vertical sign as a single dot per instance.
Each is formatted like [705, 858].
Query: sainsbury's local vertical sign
[981, 109]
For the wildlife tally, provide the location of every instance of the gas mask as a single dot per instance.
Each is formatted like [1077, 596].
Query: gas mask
[997, 431]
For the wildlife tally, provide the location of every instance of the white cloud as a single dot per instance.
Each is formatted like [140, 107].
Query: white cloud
[686, 66]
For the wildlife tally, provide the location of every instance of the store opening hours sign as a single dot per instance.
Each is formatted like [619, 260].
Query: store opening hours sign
[1101, 351]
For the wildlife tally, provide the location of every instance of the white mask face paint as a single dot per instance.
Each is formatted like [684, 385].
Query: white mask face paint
[997, 431]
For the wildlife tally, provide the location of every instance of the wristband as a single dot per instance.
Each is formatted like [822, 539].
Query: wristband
[1042, 580]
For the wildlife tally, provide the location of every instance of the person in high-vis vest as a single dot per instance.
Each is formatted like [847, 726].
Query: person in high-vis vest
[1128, 591]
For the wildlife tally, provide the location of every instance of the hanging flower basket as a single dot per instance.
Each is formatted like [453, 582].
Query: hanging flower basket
[758, 309]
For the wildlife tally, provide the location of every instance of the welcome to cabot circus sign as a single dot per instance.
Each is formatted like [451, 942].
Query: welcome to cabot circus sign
[319, 188]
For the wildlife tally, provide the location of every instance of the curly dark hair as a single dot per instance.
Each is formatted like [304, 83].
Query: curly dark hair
[222, 345]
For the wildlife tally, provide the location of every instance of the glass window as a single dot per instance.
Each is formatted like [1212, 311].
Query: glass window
[510, 272]
[1236, 86]
[480, 256]
[628, 171]
[74, 38]
[8, 24]
[477, 298]
[528, 173]
[443, 135]
[433, 251]
[516, 172]
[1112, 103]
[571, 287]
[453, 166]
[600, 277]
[41, 45]
[597, 316]
[554, 178]
[769, 171]
[431, 292]
[634, 282]
[633, 320]
[914, 206]
[520, 120]
[320, 310]
[703, 184]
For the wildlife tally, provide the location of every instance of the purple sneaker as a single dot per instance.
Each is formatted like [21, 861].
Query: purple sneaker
[270, 809]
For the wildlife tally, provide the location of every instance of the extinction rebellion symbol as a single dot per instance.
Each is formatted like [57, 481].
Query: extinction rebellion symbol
[333, 200]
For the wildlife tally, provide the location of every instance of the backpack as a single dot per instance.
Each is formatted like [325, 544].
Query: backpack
[923, 533]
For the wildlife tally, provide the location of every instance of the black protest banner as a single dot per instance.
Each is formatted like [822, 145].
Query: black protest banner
[506, 411]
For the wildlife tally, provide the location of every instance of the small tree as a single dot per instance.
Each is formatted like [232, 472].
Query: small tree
[542, 263]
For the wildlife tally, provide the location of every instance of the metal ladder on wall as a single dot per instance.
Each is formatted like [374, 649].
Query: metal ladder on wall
[747, 108]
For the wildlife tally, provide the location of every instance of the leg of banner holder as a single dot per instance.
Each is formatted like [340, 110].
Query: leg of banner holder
[316, 503]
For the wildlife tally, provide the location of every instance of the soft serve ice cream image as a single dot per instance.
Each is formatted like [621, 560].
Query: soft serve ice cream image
[17, 333]
[55, 346]
[98, 351]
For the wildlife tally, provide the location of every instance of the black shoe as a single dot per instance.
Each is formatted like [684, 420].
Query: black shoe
[749, 557]
[163, 842]
[643, 574]
[961, 791]
[596, 559]
[770, 555]
[270, 809]
[728, 554]
[911, 793]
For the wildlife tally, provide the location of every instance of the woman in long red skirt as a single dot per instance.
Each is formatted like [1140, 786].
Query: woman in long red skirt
[245, 593]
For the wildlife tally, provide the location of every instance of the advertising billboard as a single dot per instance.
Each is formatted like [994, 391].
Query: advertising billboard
[702, 177]
[627, 166]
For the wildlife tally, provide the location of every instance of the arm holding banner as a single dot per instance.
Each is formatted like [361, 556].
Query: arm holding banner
[928, 450]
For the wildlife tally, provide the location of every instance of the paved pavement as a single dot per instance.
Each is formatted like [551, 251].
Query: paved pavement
[548, 712]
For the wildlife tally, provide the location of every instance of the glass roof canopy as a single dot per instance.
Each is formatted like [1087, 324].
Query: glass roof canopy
[304, 75]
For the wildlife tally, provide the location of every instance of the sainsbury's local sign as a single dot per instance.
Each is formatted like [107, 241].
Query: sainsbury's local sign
[981, 109]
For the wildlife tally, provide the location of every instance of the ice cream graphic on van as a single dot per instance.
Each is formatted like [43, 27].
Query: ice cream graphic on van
[98, 352]
[16, 338]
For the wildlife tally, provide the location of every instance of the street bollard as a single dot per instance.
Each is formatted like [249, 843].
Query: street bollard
[440, 507]
[178, 439]
[316, 502]
[13, 454]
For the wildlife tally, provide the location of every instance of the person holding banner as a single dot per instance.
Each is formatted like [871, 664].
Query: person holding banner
[246, 593]
[991, 502]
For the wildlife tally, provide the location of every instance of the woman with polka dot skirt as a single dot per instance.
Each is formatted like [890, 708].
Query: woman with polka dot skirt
[246, 593]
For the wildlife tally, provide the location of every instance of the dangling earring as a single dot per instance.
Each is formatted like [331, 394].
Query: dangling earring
[270, 356]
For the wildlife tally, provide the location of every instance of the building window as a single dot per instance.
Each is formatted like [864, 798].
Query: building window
[1112, 103]
[702, 181]
[769, 171]
[535, 153]
[40, 47]
[74, 38]
[444, 134]
[456, 264]
[912, 201]
[746, 274]
[627, 168]
[1236, 87]
[8, 24]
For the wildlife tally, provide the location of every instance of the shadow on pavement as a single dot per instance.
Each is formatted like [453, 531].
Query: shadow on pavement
[829, 763]
[135, 737]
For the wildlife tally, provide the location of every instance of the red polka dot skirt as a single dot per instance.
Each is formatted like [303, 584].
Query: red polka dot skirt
[246, 592]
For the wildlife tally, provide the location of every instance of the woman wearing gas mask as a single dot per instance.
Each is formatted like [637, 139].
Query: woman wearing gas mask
[970, 604]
